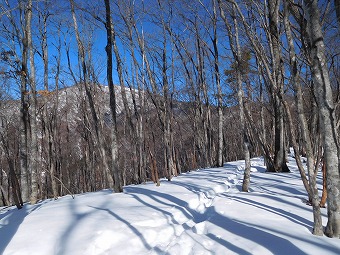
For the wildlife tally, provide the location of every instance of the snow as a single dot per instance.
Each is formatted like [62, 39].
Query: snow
[200, 212]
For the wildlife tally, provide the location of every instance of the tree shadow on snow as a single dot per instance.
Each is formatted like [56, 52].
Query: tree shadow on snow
[238, 228]
[265, 237]
[13, 219]
[134, 230]
[277, 245]
[160, 198]
[275, 210]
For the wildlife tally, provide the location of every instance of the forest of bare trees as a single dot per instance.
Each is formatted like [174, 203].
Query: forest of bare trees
[102, 94]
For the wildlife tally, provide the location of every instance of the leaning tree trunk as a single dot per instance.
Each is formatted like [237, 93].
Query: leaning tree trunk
[139, 113]
[97, 124]
[235, 47]
[324, 96]
[240, 95]
[313, 189]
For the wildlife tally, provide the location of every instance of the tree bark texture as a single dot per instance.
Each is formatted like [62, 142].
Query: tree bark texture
[111, 40]
[328, 119]
[34, 155]
[306, 138]
[24, 122]
[277, 87]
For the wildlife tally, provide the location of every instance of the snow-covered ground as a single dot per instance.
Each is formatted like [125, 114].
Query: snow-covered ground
[201, 212]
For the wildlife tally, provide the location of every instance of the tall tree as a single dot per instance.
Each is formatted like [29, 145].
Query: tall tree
[272, 63]
[324, 96]
[24, 122]
[97, 124]
[277, 85]
[110, 35]
[126, 10]
[33, 107]
[233, 36]
[217, 75]
[312, 189]
[48, 129]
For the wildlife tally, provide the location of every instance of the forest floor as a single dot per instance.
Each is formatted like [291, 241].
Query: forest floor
[199, 212]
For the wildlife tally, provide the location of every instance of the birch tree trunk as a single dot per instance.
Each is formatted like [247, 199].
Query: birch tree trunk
[312, 190]
[323, 91]
[277, 86]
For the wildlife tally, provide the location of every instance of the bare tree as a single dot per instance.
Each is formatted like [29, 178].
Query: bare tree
[24, 122]
[111, 39]
[33, 107]
[98, 128]
[137, 80]
[273, 69]
[233, 36]
[323, 91]
[312, 189]
[215, 52]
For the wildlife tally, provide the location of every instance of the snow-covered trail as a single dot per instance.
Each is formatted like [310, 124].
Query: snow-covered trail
[200, 212]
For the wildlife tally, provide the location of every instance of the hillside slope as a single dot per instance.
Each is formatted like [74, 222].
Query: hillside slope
[201, 212]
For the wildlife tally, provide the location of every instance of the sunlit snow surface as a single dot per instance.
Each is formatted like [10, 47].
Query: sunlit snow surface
[201, 212]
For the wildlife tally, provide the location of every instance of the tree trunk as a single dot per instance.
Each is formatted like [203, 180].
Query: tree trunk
[273, 68]
[324, 186]
[323, 91]
[313, 190]
[119, 66]
[14, 183]
[236, 50]
[140, 174]
[204, 105]
[277, 87]
[167, 115]
[24, 122]
[219, 89]
[33, 109]
[97, 125]
[114, 152]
